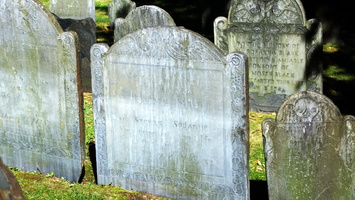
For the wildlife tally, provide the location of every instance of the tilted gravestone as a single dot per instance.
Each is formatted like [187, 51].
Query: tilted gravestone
[40, 115]
[171, 115]
[310, 150]
[74, 9]
[283, 49]
[10, 189]
[119, 9]
[142, 17]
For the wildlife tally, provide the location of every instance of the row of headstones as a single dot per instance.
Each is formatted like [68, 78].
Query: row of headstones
[282, 47]
[171, 113]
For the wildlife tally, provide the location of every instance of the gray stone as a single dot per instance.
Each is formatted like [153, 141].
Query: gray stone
[86, 31]
[310, 150]
[10, 189]
[41, 112]
[283, 48]
[119, 9]
[171, 115]
[78, 9]
[142, 17]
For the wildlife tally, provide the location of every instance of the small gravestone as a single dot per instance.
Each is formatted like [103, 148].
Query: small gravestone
[10, 189]
[74, 9]
[119, 9]
[40, 115]
[171, 115]
[283, 48]
[142, 17]
[310, 150]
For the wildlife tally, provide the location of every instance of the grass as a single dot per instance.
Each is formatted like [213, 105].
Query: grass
[40, 186]
[257, 170]
[43, 187]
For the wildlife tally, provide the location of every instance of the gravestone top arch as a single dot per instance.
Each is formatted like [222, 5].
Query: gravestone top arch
[142, 17]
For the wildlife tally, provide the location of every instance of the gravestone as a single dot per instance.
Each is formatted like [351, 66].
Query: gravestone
[86, 31]
[41, 113]
[10, 189]
[78, 9]
[310, 150]
[142, 17]
[171, 115]
[119, 9]
[283, 48]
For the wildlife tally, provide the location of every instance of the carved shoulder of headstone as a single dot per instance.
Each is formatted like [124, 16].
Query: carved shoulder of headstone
[220, 35]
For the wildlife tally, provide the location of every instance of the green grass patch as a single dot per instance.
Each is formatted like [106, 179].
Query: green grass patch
[89, 119]
[338, 73]
[331, 47]
[39, 186]
[45, 3]
[257, 170]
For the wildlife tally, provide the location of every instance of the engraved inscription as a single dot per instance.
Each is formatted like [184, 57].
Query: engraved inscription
[168, 101]
[273, 59]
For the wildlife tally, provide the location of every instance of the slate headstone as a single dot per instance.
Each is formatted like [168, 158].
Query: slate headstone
[171, 115]
[283, 48]
[119, 9]
[86, 31]
[78, 9]
[10, 189]
[41, 126]
[142, 17]
[310, 150]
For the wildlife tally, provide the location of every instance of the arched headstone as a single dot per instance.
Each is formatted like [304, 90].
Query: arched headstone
[41, 126]
[142, 17]
[310, 150]
[171, 115]
[283, 48]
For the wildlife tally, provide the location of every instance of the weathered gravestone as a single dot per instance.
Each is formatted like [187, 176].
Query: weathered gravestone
[40, 115]
[142, 17]
[74, 9]
[171, 115]
[119, 9]
[310, 150]
[10, 189]
[283, 49]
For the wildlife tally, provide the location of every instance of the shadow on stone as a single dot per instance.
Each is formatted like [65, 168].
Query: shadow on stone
[92, 154]
[258, 190]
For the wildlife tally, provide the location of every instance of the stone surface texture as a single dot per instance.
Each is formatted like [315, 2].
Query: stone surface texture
[119, 9]
[171, 115]
[310, 150]
[41, 121]
[283, 48]
[78, 9]
[142, 17]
